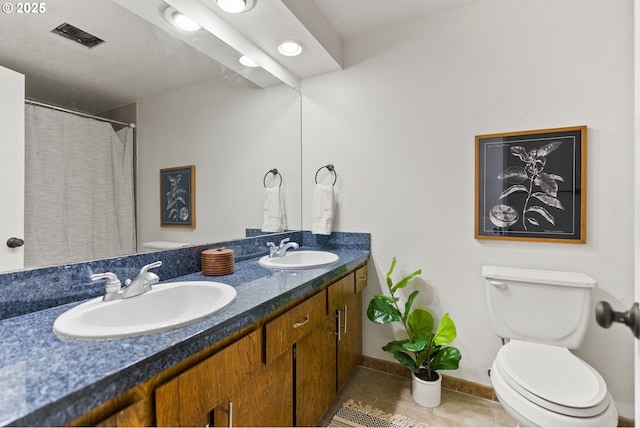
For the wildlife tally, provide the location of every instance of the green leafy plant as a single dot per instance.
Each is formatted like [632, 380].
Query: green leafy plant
[424, 351]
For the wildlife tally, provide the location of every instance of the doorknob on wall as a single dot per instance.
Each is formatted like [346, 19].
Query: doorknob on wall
[15, 242]
[605, 316]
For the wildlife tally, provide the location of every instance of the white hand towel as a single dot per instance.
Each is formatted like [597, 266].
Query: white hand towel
[274, 214]
[322, 209]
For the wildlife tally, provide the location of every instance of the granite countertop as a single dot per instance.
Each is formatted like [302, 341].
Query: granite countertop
[47, 381]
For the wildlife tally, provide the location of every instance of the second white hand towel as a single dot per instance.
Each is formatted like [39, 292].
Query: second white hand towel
[322, 209]
[274, 216]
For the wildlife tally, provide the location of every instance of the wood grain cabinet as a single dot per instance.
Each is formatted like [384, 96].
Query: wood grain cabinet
[345, 301]
[133, 415]
[315, 374]
[232, 387]
[284, 371]
[307, 331]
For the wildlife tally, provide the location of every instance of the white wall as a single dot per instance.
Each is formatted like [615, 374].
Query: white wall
[234, 134]
[399, 125]
[13, 158]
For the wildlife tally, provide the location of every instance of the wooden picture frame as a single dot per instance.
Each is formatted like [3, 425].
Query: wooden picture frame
[532, 185]
[178, 196]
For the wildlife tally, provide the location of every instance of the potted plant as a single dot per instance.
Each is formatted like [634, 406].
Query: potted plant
[424, 351]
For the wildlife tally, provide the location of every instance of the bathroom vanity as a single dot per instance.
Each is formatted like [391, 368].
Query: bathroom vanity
[276, 356]
[281, 373]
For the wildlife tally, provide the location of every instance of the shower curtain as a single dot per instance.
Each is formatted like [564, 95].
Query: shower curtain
[79, 195]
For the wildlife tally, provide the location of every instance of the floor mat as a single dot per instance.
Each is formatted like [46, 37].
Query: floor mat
[353, 414]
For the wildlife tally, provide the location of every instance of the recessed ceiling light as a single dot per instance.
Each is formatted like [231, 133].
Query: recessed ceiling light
[180, 20]
[247, 62]
[290, 48]
[186, 23]
[235, 6]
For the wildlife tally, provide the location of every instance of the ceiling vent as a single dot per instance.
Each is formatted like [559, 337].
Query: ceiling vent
[70, 32]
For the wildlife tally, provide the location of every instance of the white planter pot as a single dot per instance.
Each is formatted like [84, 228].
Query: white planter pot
[426, 393]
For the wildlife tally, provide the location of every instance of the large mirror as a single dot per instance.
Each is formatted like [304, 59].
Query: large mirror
[234, 125]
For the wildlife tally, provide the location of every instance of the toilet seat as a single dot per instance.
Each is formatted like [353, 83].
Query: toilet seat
[553, 378]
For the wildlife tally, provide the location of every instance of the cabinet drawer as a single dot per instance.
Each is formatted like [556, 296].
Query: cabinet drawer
[288, 328]
[361, 278]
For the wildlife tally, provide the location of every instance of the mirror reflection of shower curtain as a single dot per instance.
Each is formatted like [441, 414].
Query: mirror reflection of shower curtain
[79, 202]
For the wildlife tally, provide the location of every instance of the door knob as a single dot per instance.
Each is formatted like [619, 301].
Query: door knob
[605, 316]
[15, 242]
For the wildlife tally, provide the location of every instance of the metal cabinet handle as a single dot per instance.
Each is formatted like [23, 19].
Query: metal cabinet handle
[345, 319]
[339, 326]
[300, 324]
[605, 316]
[230, 413]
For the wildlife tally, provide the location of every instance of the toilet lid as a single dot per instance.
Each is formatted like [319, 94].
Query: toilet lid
[554, 378]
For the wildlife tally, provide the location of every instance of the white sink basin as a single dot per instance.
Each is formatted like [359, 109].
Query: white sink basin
[299, 260]
[165, 307]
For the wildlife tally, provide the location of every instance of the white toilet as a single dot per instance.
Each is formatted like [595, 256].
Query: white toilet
[536, 378]
[163, 245]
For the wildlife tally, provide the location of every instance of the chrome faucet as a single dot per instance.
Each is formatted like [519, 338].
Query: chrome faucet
[141, 283]
[113, 286]
[280, 250]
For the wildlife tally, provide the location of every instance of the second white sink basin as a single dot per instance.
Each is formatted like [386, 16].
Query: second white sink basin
[299, 260]
[165, 307]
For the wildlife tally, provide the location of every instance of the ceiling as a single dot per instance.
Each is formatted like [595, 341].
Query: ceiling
[144, 55]
[324, 25]
[351, 18]
[136, 61]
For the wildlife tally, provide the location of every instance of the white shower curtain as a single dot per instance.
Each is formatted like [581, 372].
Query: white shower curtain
[79, 202]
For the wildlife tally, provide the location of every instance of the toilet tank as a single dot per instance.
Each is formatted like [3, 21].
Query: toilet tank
[540, 306]
[163, 245]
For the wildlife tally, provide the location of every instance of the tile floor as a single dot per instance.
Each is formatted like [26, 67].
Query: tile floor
[392, 394]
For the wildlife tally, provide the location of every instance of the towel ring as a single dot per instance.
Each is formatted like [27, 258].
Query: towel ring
[273, 171]
[331, 168]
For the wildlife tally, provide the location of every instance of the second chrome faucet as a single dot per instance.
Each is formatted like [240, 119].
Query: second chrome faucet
[281, 250]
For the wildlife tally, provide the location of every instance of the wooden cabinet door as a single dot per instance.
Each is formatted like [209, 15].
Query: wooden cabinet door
[315, 373]
[194, 397]
[350, 345]
[304, 333]
[201, 395]
[345, 300]
[134, 415]
[350, 355]
[265, 398]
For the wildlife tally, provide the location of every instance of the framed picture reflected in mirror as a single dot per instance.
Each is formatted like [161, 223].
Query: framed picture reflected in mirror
[178, 197]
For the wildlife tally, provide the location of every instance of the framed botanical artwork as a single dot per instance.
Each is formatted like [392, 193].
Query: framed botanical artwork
[532, 185]
[178, 197]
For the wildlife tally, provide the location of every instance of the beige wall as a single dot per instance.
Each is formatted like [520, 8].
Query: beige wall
[399, 124]
[233, 133]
